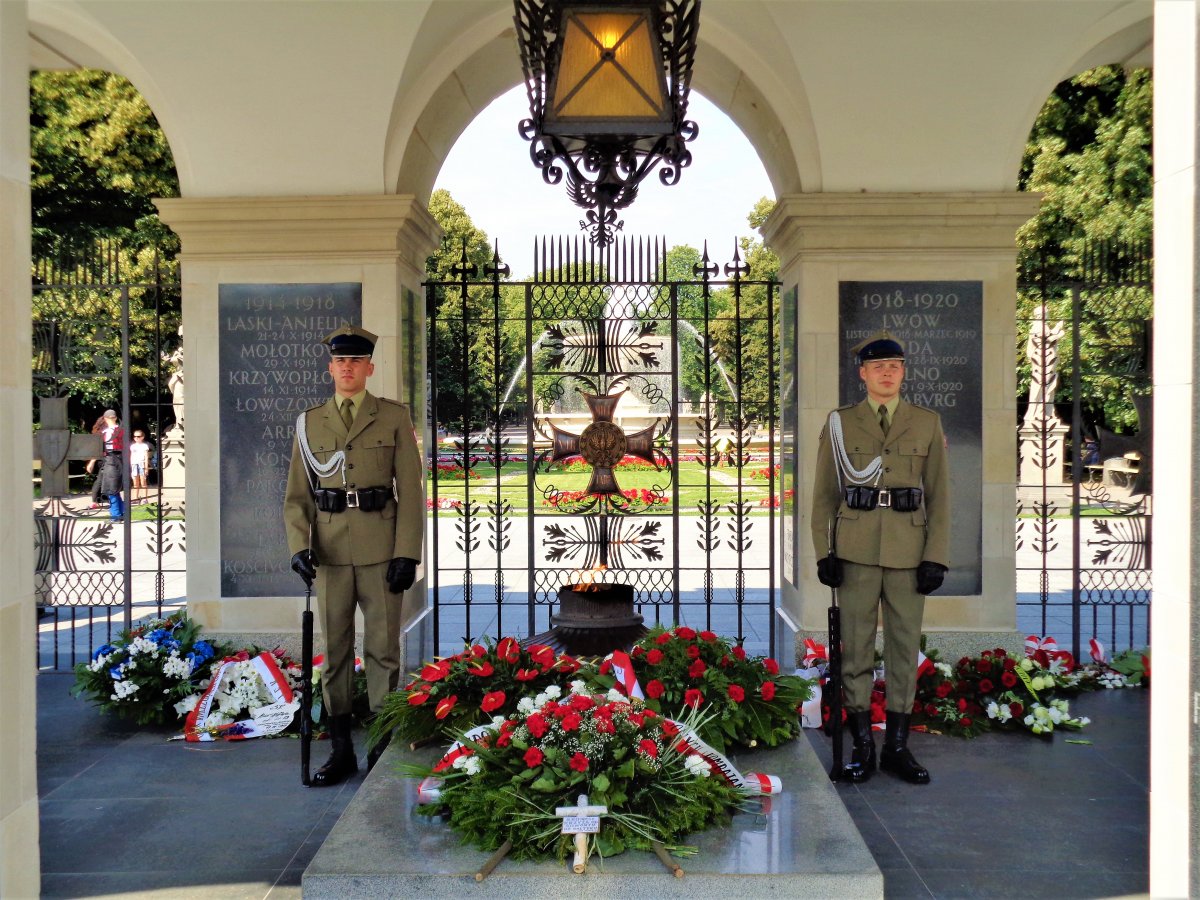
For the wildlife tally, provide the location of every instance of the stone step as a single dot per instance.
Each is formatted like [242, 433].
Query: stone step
[802, 844]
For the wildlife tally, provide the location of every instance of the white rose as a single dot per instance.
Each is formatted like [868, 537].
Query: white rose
[525, 706]
[1026, 664]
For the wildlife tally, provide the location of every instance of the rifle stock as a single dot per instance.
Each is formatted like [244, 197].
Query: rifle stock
[306, 654]
[835, 686]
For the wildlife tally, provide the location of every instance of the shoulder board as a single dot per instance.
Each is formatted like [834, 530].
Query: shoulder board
[932, 412]
[314, 407]
[393, 402]
[847, 406]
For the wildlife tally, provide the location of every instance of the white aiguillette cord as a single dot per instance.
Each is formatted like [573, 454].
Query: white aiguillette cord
[336, 463]
[845, 469]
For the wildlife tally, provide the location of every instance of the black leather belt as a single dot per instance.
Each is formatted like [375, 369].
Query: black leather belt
[336, 500]
[861, 496]
[112, 452]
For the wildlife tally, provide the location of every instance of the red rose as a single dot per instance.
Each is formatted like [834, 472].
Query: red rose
[637, 651]
[1010, 664]
[603, 725]
[692, 697]
[965, 722]
[693, 652]
[571, 721]
[698, 668]
[527, 674]
[579, 762]
[537, 725]
[943, 689]
[708, 636]
[669, 728]
[1017, 709]
[654, 657]
[983, 666]
[684, 632]
[444, 706]
[962, 705]
[771, 666]
[435, 671]
[663, 638]
[736, 693]
[654, 689]
[481, 669]
[647, 746]
[1008, 679]
[768, 691]
[493, 700]
[986, 686]
[508, 650]
[725, 662]
[417, 699]
[739, 653]
[533, 757]
[930, 709]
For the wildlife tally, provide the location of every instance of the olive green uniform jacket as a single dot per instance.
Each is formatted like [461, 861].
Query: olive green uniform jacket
[914, 455]
[381, 446]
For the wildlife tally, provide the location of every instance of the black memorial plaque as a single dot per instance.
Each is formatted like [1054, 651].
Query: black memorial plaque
[272, 366]
[940, 324]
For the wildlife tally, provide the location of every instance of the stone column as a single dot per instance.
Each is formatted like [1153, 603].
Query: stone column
[1175, 699]
[380, 242]
[20, 873]
[825, 239]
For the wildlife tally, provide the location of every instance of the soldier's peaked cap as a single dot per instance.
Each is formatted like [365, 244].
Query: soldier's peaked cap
[350, 340]
[880, 345]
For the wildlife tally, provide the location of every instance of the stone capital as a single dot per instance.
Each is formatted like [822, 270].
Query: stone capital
[844, 225]
[368, 229]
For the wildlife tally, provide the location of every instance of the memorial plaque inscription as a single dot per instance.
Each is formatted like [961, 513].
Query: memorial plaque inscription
[940, 325]
[272, 366]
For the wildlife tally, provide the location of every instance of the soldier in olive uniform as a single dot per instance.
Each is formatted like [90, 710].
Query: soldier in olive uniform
[881, 529]
[355, 517]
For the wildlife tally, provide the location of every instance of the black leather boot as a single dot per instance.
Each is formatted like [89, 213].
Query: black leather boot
[377, 750]
[862, 759]
[897, 758]
[341, 763]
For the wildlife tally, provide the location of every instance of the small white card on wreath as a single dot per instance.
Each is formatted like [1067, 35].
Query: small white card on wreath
[581, 825]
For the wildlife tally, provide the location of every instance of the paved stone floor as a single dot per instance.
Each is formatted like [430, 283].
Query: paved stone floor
[125, 813]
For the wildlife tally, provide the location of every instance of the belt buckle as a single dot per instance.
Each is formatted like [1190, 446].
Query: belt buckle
[351, 499]
[885, 498]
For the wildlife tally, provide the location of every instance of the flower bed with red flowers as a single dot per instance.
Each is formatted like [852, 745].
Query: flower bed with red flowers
[749, 701]
[505, 784]
[469, 688]
[567, 500]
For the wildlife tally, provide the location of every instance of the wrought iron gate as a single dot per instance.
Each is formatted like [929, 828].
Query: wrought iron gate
[1084, 499]
[603, 414]
[105, 335]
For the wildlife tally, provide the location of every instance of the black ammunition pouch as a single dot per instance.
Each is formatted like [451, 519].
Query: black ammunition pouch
[863, 497]
[336, 500]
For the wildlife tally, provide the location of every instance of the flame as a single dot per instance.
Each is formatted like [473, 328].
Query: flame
[587, 580]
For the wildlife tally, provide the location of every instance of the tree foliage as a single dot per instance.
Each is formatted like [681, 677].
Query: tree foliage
[1089, 153]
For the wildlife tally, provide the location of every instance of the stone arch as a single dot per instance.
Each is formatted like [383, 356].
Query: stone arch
[1125, 36]
[440, 94]
[80, 41]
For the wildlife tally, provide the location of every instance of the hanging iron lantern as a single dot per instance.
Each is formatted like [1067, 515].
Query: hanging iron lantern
[608, 87]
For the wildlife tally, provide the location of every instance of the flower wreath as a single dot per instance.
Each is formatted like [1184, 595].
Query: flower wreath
[457, 692]
[504, 781]
[749, 701]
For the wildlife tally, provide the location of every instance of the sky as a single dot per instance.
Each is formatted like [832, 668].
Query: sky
[490, 173]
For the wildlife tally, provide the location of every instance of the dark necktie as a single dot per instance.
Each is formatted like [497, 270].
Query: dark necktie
[883, 418]
[348, 412]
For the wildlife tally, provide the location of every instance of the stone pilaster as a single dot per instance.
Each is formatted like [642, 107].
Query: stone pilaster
[20, 873]
[1174, 623]
[825, 239]
[380, 242]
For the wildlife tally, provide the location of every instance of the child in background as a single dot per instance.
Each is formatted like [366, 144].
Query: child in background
[139, 459]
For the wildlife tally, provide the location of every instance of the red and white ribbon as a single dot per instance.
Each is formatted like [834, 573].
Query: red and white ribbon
[814, 653]
[924, 664]
[1033, 644]
[627, 682]
[1097, 650]
[196, 728]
